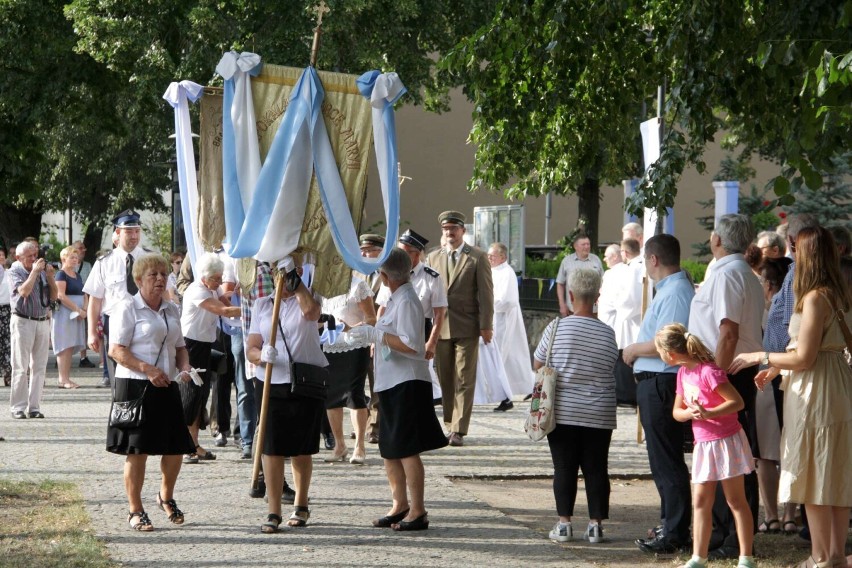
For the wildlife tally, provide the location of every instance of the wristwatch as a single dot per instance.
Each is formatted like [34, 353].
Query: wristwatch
[765, 360]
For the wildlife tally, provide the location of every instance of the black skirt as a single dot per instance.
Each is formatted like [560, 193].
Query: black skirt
[193, 397]
[163, 431]
[347, 376]
[292, 422]
[409, 425]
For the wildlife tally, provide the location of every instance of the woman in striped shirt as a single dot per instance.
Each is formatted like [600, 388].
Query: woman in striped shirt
[584, 355]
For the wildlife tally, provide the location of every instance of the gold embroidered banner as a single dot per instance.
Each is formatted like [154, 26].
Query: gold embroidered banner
[347, 117]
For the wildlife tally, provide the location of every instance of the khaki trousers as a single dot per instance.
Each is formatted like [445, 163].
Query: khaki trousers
[456, 361]
[30, 346]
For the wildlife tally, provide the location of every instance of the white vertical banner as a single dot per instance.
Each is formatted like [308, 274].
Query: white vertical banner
[727, 198]
[630, 186]
[650, 130]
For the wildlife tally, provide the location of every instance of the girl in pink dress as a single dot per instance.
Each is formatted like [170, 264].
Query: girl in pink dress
[722, 452]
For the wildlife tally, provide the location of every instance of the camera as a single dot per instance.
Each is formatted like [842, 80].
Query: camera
[42, 250]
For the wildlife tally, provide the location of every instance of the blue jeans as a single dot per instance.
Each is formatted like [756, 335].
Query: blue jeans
[246, 409]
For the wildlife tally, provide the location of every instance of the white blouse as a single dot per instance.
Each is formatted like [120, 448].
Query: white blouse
[302, 337]
[197, 323]
[152, 336]
[345, 308]
[403, 317]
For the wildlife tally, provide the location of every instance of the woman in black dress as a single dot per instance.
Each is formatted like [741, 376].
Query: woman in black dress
[146, 342]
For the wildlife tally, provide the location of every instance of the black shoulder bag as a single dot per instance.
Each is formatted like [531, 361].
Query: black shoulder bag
[306, 380]
[130, 414]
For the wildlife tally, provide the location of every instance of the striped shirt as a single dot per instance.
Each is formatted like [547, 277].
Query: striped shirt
[584, 355]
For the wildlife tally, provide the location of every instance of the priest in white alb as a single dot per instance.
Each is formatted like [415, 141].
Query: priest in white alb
[509, 331]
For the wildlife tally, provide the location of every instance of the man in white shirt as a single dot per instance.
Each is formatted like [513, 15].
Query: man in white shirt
[727, 313]
[618, 291]
[580, 258]
[111, 280]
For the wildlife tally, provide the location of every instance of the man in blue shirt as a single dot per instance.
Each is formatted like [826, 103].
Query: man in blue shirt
[655, 394]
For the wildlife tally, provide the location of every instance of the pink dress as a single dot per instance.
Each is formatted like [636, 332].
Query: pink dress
[721, 447]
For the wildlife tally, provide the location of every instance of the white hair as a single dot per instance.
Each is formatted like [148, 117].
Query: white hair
[23, 247]
[585, 284]
[209, 265]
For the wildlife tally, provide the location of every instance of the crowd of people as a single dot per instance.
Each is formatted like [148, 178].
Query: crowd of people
[752, 358]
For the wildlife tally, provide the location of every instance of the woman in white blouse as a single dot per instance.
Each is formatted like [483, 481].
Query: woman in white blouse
[347, 369]
[408, 426]
[199, 321]
[148, 347]
[292, 421]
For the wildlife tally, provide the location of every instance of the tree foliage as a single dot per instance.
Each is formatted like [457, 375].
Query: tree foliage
[81, 109]
[558, 85]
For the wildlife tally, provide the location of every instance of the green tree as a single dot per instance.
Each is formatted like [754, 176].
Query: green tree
[81, 112]
[557, 86]
[832, 203]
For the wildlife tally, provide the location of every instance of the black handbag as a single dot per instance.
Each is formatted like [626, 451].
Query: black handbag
[306, 380]
[130, 414]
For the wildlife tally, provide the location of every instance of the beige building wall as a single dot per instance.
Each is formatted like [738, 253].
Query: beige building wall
[433, 151]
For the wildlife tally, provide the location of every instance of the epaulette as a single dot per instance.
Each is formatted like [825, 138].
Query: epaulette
[147, 249]
[430, 271]
[105, 255]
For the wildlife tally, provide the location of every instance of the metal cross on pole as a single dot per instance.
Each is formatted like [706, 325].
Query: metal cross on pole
[320, 10]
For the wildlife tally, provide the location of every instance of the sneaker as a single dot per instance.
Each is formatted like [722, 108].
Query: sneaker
[104, 383]
[245, 453]
[288, 495]
[86, 364]
[36, 414]
[562, 532]
[221, 440]
[594, 533]
[260, 491]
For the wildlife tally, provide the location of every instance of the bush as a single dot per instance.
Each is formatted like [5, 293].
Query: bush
[543, 268]
[696, 269]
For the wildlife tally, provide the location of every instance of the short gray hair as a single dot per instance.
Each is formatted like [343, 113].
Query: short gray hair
[23, 247]
[501, 248]
[735, 231]
[585, 284]
[773, 239]
[397, 267]
[634, 228]
[798, 222]
[614, 248]
[209, 265]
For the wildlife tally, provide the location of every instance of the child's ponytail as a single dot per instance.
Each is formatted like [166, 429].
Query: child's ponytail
[674, 338]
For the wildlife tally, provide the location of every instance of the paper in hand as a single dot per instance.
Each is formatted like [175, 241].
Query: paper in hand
[196, 377]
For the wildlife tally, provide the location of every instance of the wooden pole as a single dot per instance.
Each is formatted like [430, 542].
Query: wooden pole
[267, 381]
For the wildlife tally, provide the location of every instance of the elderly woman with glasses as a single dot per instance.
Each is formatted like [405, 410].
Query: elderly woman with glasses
[148, 347]
[409, 426]
[199, 321]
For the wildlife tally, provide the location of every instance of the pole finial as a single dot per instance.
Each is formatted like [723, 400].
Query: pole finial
[320, 10]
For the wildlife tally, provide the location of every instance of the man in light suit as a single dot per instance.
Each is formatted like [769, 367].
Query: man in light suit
[466, 273]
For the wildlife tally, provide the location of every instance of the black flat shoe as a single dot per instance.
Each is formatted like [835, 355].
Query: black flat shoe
[421, 523]
[388, 520]
[505, 405]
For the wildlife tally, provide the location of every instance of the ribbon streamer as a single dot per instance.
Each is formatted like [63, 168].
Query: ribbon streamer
[178, 95]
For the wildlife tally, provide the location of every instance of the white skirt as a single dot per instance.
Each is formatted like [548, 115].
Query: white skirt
[722, 459]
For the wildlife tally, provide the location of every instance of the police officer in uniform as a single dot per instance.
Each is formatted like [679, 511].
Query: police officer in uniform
[466, 273]
[111, 279]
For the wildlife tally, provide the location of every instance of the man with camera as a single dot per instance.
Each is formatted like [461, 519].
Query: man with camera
[33, 289]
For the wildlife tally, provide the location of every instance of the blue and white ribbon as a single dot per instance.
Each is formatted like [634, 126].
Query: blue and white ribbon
[264, 220]
[178, 95]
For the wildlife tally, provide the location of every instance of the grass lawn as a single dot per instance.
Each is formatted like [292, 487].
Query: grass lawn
[45, 524]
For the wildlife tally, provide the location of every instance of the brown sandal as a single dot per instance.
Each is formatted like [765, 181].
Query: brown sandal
[143, 524]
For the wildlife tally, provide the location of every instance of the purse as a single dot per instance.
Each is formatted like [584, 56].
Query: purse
[541, 419]
[130, 414]
[306, 380]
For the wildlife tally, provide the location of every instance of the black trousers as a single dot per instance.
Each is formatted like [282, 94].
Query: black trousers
[579, 447]
[724, 527]
[655, 396]
[220, 404]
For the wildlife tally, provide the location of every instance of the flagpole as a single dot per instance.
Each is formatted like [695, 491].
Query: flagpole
[320, 10]
[264, 404]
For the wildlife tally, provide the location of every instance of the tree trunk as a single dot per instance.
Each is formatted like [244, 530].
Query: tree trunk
[589, 207]
[19, 222]
[92, 240]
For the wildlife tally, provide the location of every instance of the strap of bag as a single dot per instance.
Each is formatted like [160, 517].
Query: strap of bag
[841, 319]
[157, 360]
[284, 339]
[555, 326]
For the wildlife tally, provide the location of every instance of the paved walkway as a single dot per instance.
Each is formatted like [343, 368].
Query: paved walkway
[222, 527]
